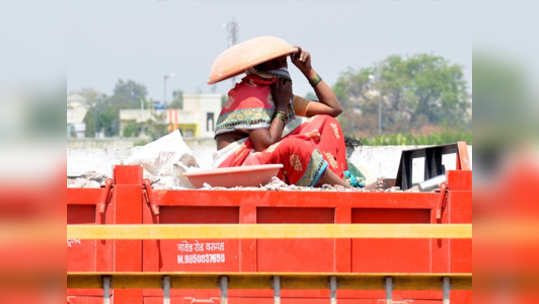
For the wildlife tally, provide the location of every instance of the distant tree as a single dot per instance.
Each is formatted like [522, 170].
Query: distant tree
[352, 90]
[177, 100]
[425, 87]
[90, 122]
[415, 92]
[103, 114]
[131, 129]
[108, 120]
[154, 127]
[351, 87]
[91, 96]
[128, 94]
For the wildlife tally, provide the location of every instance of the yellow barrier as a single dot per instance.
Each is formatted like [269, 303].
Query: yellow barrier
[268, 231]
[261, 280]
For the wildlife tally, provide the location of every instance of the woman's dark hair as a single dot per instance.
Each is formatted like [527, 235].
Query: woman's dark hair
[270, 64]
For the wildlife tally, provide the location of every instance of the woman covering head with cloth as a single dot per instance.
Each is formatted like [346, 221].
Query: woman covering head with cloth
[262, 122]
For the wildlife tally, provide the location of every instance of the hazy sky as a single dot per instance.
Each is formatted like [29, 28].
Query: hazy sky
[143, 40]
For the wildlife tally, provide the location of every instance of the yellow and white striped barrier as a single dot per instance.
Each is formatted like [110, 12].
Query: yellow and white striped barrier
[268, 231]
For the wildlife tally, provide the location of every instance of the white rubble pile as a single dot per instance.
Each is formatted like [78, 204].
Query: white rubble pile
[278, 185]
[165, 161]
[90, 179]
[81, 182]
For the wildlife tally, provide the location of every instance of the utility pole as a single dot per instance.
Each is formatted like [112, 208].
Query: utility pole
[232, 28]
[165, 78]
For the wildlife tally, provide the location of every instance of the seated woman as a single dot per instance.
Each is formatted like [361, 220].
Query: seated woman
[258, 125]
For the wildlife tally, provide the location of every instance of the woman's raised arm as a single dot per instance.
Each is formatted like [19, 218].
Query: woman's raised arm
[281, 92]
[328, 101]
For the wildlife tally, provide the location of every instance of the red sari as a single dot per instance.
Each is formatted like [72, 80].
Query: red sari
[310, 148]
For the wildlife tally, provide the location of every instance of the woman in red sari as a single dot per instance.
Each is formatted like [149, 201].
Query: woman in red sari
[264, 123]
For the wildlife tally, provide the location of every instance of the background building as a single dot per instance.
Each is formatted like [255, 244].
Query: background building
[197, 118]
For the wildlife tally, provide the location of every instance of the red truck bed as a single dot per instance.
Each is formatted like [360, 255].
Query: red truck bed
[130, 201]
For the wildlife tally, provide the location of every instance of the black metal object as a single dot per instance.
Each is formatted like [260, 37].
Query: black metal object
[351, 144]
[433, 163]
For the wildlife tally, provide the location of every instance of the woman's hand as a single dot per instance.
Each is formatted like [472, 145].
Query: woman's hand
[328, 101]
[281, 91]
[302, 60]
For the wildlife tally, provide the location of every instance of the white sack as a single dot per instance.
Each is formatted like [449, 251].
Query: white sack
[158, 157]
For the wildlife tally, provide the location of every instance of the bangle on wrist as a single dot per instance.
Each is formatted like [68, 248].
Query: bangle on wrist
[282, 115]
[315, 80]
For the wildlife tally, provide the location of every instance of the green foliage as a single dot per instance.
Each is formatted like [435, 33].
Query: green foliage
[417, 91]
[132, 129]
[107, 120]
[91, 96]
[177, 100]
[398, 139]
[154, 129]
[128, 94]
[141, 142]
[90, 121]
[104, 112]
[224, 99]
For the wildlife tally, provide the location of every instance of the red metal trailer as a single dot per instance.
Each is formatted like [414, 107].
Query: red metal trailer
[128, 199]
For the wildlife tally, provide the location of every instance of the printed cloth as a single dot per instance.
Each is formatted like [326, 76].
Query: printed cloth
[309, 147]
[250, 104]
